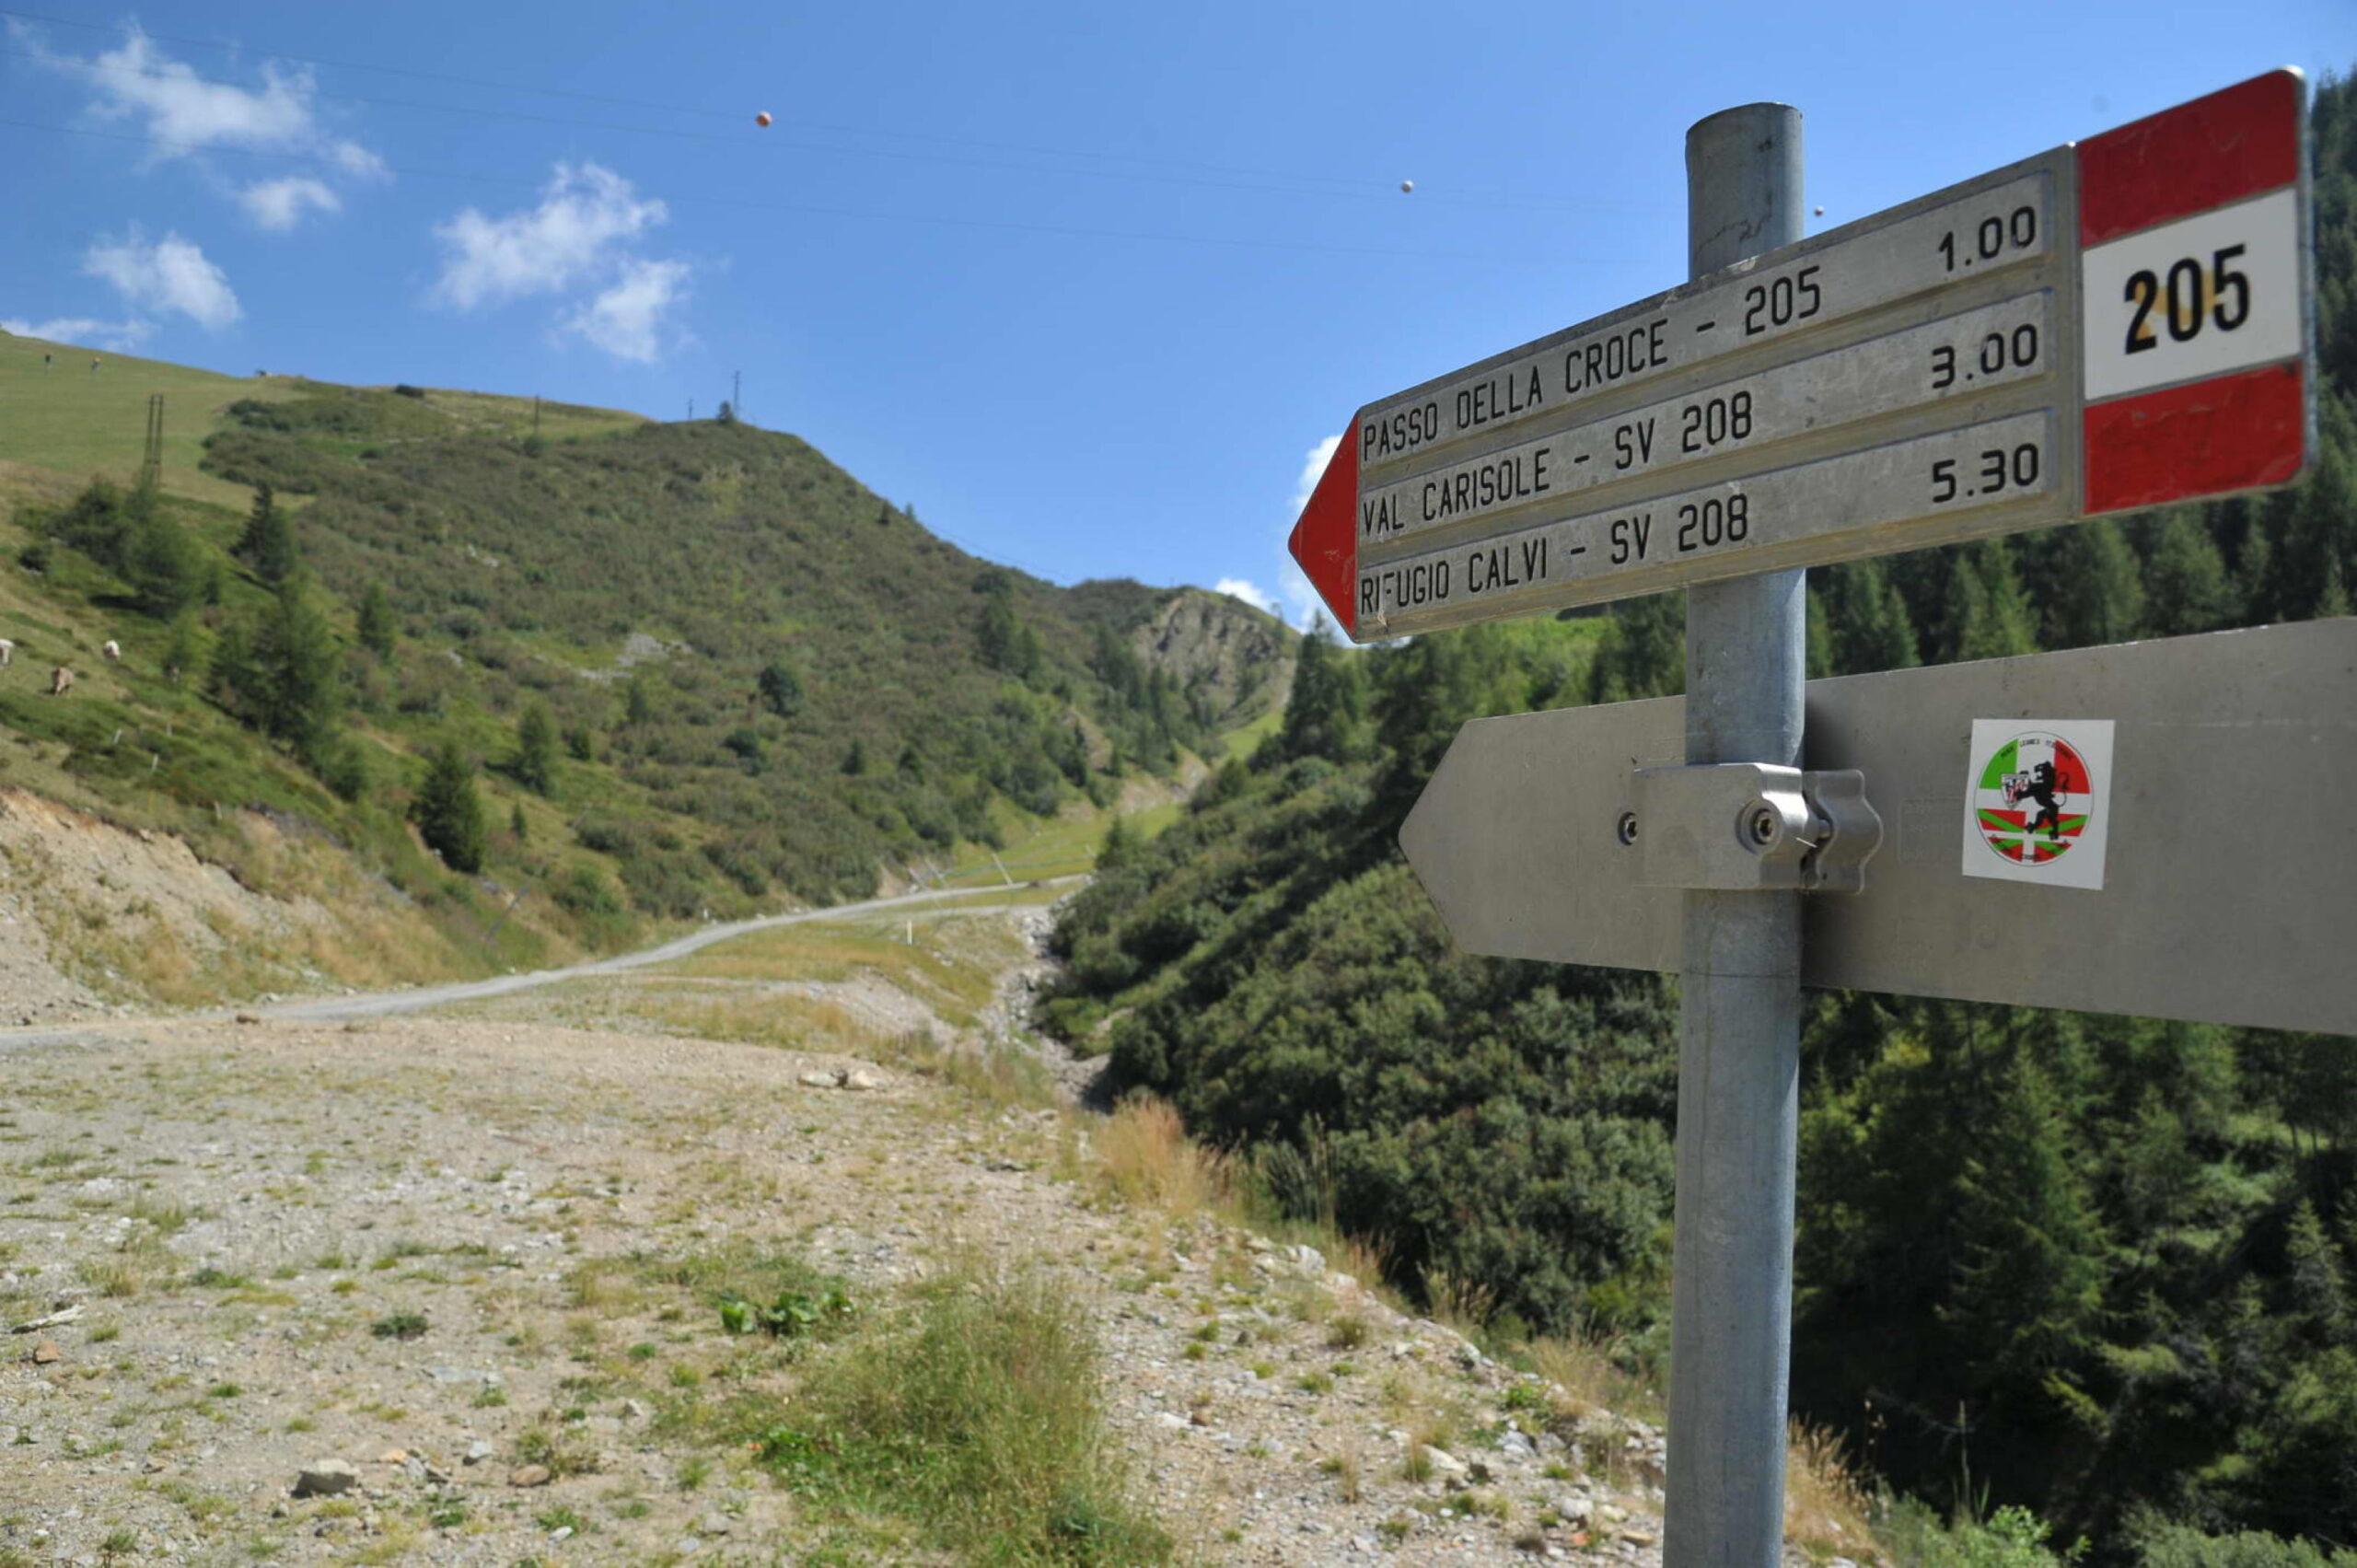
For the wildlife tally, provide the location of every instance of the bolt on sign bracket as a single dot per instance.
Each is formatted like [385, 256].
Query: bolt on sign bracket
[1736, 827]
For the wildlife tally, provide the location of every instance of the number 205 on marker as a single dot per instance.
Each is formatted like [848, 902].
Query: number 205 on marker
[2210, 294]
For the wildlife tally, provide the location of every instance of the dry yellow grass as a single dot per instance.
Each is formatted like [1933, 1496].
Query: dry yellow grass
[1827, 1507]
[1145, 1157]
[1464, 1306]
[1587, 1379]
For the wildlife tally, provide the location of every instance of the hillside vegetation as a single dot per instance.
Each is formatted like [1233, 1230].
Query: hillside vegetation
[2100, 1266]
[547, 674]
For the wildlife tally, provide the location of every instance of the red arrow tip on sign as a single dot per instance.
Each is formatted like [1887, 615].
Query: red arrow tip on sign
[1325, 543]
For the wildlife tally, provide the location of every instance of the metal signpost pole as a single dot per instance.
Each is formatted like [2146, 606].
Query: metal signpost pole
[1738, 1067]
[2109, 326]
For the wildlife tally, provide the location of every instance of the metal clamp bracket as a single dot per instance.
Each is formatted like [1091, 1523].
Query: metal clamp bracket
[1739, 826]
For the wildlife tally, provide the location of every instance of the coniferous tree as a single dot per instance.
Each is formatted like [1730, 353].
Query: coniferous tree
[1117, 664]
[188, 650]
[781, 689]
[257, 518]
[1642, 651]
[1119, 848]
[1326, 714]
[1007, 642]
[268, 544]
[534, 764]
[449, 812]
[2030, 1283]
[298, 669]
[2187, 589]
[1867, 619]
[2318, 1295]
[378, 627]
[2255, 572]
[229, 673]
[2319, 533]
[2333, 597]
[1989, 615]
[2094, 595]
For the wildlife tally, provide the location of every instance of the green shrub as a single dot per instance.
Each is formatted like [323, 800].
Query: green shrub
[980, 1418]
[449, 812]
[2162, 1545]
[2011, 1538]
[790, 1315]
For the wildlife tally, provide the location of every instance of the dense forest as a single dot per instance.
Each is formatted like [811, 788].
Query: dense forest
[635, 672]
[2102, 1266]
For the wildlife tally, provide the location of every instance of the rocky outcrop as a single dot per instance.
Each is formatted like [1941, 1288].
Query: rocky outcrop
[1238, 657]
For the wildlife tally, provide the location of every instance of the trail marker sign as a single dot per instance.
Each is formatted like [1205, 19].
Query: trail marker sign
[2159, 829]
[2115, 324]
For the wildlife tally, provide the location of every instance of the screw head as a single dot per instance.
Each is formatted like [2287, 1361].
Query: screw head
[1627, 828]
[1765, 826]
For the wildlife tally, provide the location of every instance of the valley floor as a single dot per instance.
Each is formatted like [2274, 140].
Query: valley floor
[476, 1256]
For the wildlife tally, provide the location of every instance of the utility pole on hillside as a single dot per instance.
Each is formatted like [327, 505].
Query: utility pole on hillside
[151, 456]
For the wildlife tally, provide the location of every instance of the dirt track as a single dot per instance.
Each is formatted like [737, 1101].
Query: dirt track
[398, 1243]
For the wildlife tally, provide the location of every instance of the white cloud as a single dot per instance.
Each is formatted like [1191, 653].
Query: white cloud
[115, 337]
[170, 275]
[1250, 593]
[184, 111]
[279, 205]
[184, 114]
[358, 161]
[574, 235]
[1313, 469]
[628, 319]
[1306, 606]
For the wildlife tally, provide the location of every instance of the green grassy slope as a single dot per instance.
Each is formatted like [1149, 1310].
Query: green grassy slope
[635, 580]
[66, 418]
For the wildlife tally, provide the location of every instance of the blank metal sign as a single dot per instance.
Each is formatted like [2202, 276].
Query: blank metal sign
[2230, 885]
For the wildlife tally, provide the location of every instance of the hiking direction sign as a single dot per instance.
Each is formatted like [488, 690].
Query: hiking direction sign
[2115, 324]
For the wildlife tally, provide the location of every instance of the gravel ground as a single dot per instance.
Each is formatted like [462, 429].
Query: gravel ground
[416, 1244]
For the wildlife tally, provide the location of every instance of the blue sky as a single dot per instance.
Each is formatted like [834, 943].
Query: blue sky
[1085, 284]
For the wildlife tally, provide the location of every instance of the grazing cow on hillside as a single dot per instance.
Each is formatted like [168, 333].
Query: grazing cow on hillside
[114, 650]
[61, 682]
[8, 653]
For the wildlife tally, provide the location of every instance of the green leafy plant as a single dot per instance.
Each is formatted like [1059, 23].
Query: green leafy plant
[793, 1314]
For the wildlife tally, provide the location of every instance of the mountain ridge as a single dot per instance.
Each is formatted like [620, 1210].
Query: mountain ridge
[742, 675]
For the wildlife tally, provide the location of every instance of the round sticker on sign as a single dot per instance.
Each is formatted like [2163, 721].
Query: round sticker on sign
[2033, 798]
[2038, 805]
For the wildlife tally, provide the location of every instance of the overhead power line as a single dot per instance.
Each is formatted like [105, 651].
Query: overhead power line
[808, 209]
[1181, 172]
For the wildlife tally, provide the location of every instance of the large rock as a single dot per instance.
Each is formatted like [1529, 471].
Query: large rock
[530, 1475]
[325, 1478]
